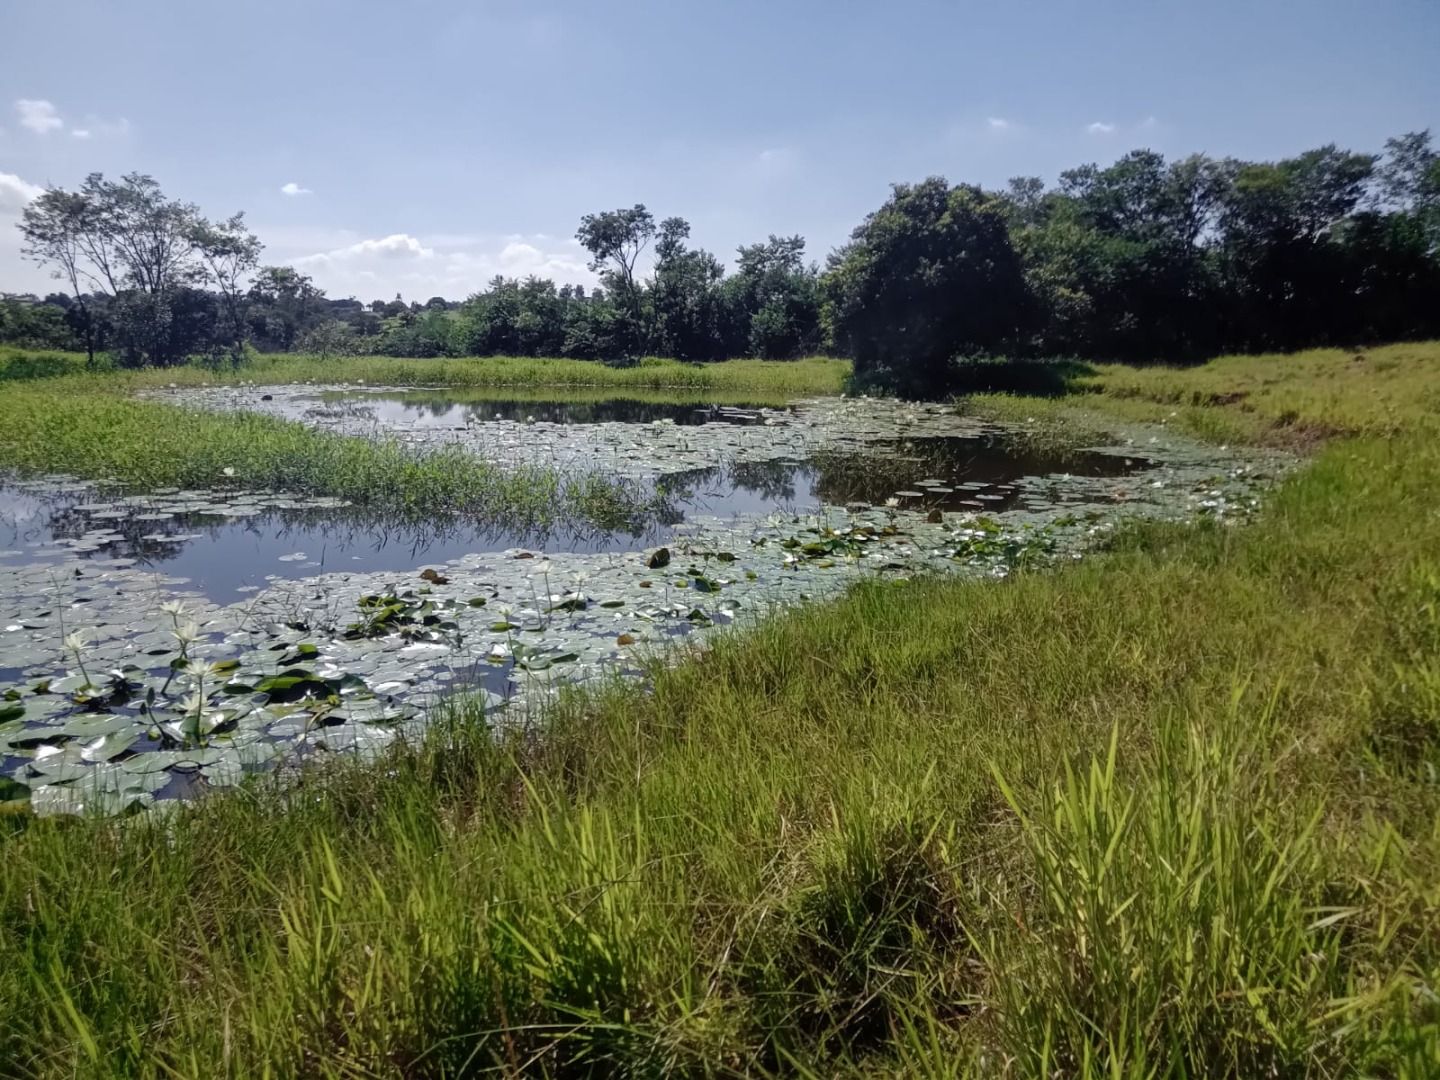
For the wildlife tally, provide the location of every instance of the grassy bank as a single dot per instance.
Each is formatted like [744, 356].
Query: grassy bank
[1171, 811]
[1295, 400]
[88, 426]
[759, 380]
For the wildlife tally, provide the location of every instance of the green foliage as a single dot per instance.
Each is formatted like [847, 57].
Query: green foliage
[148, 257]
[1145, 261]
[930, 275]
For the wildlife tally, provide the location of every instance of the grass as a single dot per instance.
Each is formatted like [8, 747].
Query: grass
[87, 426]
[1294, 400]
[760, 381]
[1172, 811]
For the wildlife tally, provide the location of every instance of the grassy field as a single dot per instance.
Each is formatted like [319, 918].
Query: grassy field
[759, 380]
[1295, 400]
[1170, 812]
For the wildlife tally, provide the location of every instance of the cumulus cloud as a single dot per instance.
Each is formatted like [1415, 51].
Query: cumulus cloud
[17, 273]
[292, 188]
[81, 133]
[1100, 127]
[997, 123]
[418, 268]
[16, 194]
[38, 115]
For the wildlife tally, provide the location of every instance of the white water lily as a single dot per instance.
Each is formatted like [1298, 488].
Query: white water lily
[229, 470]
[78, 641]
[543, 566]
[186, 631]
[174, 607]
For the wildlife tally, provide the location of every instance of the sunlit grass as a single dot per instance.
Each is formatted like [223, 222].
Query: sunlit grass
[761, 381]
[1169, 812]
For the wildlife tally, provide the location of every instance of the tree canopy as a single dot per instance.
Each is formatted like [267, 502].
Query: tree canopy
[1142, 260]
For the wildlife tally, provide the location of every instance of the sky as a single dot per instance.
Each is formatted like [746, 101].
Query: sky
[422, 148]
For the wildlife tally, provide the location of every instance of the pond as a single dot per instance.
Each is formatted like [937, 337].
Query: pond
[165, 642]
[447, 409]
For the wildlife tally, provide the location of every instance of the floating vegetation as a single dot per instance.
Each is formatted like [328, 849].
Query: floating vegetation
[112, 698]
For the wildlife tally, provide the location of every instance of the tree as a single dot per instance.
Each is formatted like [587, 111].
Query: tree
[126, 239]
[616, 239]
[54, 228]
[776, 299]
[1285, 273]
[230, 253]
[282, 305]
[929, 277]
[685, 296]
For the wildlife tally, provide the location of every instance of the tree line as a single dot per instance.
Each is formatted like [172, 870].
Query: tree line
[1141, 260]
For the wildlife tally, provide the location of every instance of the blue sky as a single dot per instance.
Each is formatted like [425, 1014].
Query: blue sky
[430, 145]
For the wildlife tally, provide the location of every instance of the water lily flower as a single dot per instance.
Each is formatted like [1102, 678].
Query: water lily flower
[892, 502]
[229, 470]
[543, 566]
[77, 641]
[173, 607]
[187, 631]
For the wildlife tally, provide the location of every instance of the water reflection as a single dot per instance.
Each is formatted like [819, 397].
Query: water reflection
[443, 409]
[229, 557]
[230, 549]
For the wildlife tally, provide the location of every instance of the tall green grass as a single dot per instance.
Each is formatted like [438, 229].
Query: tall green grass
[82, 426]
[1169, 812]
[771, 380]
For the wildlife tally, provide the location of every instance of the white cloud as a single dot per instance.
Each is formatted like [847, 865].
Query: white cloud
[17, 273]
[997, 123]
[16, 194]
[420, 268]
[39, 116]
[292, 188]
[80, 133]
[1100, 127]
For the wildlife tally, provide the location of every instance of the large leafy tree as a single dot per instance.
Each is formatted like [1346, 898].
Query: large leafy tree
[929, 277]
[615, 240]
[229, 253]
[150, 255]
[686, 296]
[776, 299]
[282, 304]
[1286, 274]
